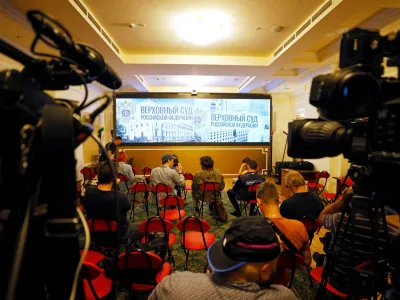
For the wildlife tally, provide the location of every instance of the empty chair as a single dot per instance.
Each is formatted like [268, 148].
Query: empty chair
[175, 213]
[163, 189]
[153, 227]
[194, 235]
[96, 285]
[140, 191]
[142, 271]
[317, 186]
[188, 185]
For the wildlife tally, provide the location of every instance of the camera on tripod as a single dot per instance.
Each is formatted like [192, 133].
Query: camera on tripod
[359, 118]
[359, 109]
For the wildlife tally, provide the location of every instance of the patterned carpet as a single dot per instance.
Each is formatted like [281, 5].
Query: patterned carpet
[197, 259]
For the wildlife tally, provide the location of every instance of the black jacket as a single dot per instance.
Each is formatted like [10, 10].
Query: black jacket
[244, 181]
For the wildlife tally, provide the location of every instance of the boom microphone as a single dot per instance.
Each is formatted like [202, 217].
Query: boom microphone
[54, 34]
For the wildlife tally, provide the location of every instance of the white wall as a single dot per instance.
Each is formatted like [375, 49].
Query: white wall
[280, 119]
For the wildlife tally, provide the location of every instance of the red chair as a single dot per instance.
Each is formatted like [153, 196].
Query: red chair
[125, 179]
[103, 233]
[212, 187]
[312, 225]
[140, 187]
[290, 261]
[93, 257]
[316, 186]
[96, 285]
[331, 197]
[142, 271]
[146, 174]
[158, 225]
[134, 170]
[251, 196]
[87, 173]
[316, 274]
[172, 214]
[188, 187]
[198, 237]
[161, 188]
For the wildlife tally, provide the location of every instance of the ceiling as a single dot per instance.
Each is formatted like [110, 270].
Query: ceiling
[153, 58]
[157, 36]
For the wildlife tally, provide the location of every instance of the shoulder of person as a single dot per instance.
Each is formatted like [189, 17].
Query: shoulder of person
[282, 292]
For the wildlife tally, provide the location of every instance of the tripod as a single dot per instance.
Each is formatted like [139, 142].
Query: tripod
[358, 206]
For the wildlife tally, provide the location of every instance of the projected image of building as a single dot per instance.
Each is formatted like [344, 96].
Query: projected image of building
[223, 135]
[167, 132]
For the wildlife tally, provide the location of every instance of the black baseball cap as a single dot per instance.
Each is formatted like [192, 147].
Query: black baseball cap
[249, 239]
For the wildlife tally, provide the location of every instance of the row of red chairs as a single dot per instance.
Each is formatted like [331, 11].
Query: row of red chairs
[194, 237]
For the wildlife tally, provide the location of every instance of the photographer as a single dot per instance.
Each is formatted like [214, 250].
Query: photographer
[357, 245]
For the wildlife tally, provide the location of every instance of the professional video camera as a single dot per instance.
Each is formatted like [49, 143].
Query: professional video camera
[359, 118]
[39, 248]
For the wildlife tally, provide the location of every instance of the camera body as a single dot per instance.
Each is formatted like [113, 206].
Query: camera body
[176, 162]
[359, 110]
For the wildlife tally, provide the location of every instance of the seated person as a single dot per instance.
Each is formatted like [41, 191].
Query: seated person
[165, 174]
[240, 189]
[244, 167]
[111, 149]
[302, 203]
[100, 202]
[178, 189]
[357, 246]
[126, 170]
[295, 232]
[243, 263]
[208, 174]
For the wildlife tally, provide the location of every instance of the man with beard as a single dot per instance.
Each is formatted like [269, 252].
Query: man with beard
[243, 264]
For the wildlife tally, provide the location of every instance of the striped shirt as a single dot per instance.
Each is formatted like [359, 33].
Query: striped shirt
[358, 245]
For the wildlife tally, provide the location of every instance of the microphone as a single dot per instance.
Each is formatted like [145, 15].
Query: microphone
[285, 133]
[92, 60]
[50, 30]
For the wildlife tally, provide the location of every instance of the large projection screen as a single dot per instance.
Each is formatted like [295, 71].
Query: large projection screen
[171, 119]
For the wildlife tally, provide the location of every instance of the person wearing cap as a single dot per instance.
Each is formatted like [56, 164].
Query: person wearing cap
[165, 174]
[243, 263]
[294, 231]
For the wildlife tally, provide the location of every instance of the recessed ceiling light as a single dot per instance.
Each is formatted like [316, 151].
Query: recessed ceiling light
[203, 28]
[277, 29]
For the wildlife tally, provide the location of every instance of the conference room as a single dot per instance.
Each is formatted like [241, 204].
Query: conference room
[196, 149]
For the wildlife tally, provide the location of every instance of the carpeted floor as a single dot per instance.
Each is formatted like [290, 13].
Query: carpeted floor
[197, 259]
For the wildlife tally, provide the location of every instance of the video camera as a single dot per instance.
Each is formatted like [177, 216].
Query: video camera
[359, 111]
[359, 118]
[38, 210]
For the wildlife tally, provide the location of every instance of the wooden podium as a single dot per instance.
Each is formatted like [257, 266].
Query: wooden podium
[308, 176]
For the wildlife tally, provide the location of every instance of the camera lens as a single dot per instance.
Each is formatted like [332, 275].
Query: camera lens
[347, 94]
[316, 139]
